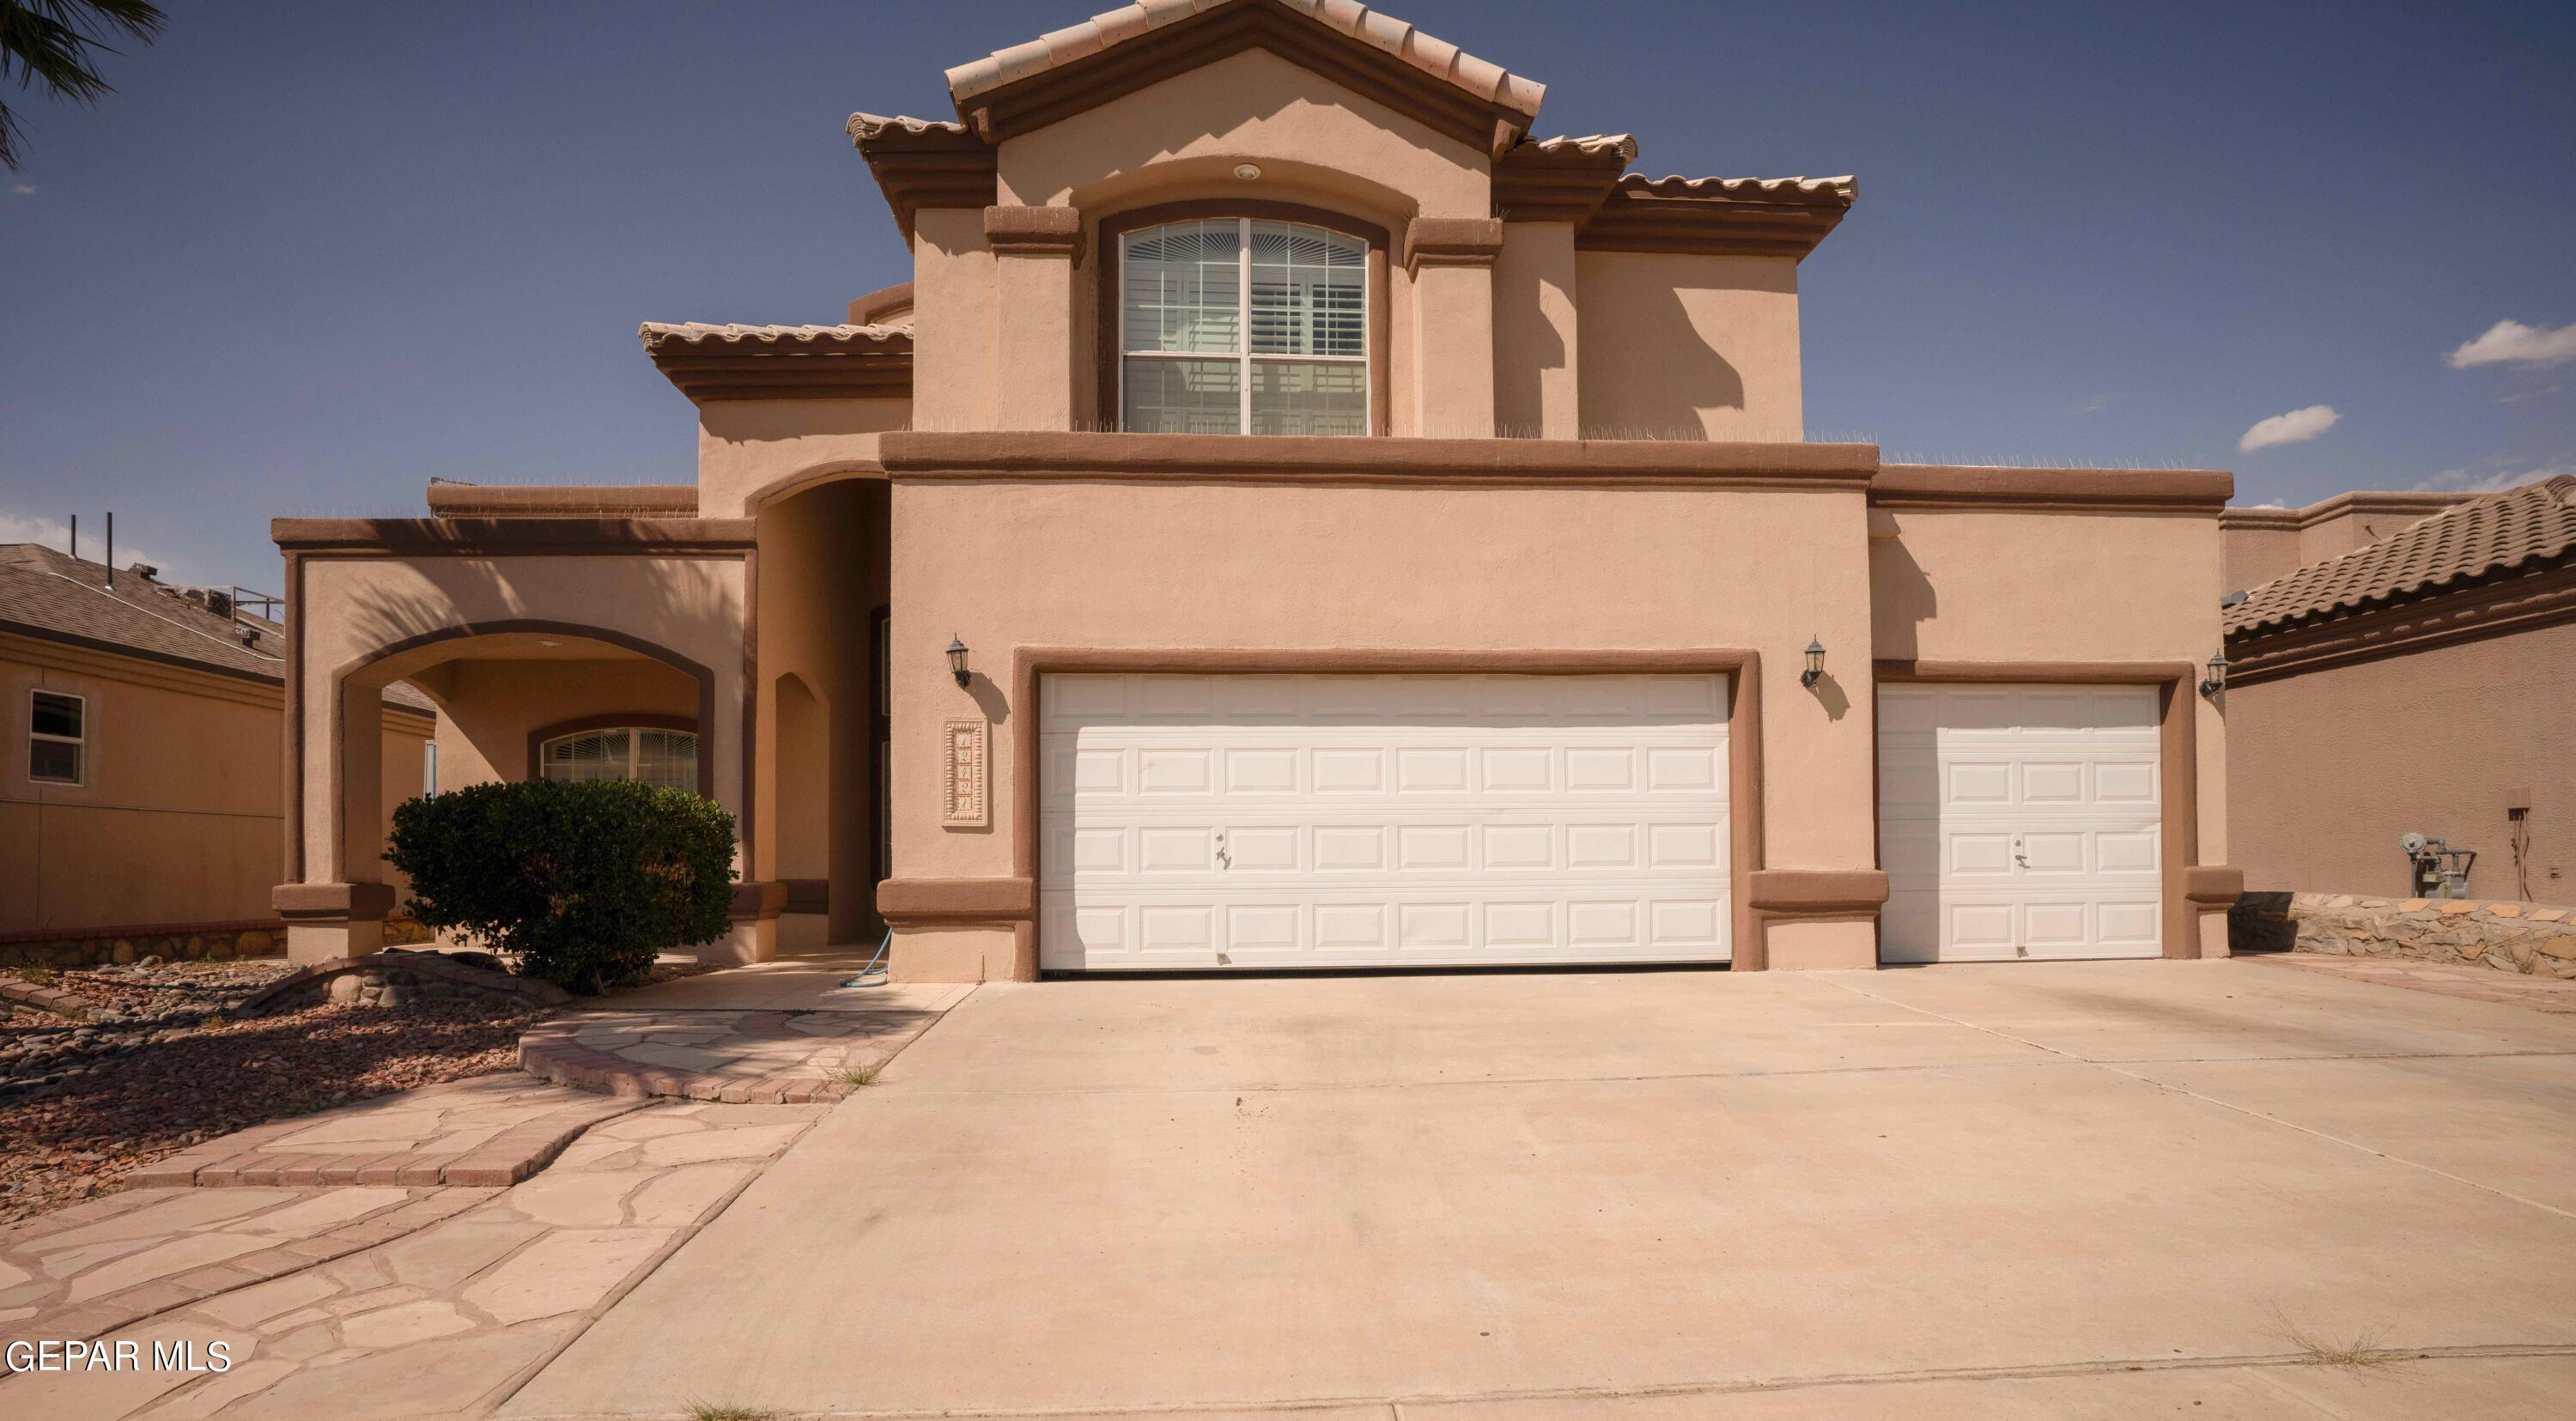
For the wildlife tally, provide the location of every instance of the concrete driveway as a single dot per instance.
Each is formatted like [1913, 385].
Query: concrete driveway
[2039, 1190]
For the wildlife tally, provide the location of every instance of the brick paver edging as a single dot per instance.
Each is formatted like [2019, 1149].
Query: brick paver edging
[508, 1157]
[52, 999]
[422, 964]
[99, 1317]
[549, 1051]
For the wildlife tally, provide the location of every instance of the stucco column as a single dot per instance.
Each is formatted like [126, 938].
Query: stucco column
[1536, 389]
[953, 320]
[1034, 250]
[338, 906]
[1451, 261]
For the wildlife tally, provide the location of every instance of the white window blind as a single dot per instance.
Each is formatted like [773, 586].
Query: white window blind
[668, 758]
[1239, 325]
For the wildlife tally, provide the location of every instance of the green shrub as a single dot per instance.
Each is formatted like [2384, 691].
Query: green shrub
[580, 884]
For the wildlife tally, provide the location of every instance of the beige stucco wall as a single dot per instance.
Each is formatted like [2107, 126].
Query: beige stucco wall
[1248, 107]
[489, 706]
[2327, 769]
[2025, 586]
[1537, 379]
[1689, 346]
[1235, 565]
[2250, 557]
[749, 450]
[353, 608]
[955, 335]
[178, 818]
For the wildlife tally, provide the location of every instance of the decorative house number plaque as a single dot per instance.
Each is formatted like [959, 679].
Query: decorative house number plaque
[963, 802]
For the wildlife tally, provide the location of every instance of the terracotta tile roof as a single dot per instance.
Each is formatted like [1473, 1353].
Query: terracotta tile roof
[49, 594]
[701, 334]
[1821, 191]
[729, 362]
[1590, 145]
[867, 127]
[2520, 528]
[1438, 58]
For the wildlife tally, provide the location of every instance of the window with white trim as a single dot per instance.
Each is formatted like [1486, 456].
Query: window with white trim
[659, 757]
[57, 737]
[1239, 325]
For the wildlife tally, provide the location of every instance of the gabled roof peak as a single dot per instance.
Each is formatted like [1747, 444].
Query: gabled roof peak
[1121, 50]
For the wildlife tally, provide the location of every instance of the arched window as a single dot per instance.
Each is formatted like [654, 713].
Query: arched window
[659, 757]
[1238, 325]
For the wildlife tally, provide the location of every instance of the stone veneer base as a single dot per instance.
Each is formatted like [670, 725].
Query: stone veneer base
[2531, 938]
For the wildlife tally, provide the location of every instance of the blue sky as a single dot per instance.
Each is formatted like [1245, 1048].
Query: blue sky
[311, 255]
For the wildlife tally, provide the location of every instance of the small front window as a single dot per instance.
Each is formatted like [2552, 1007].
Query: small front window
[1236, 325]
[658, 757]
[56, 737]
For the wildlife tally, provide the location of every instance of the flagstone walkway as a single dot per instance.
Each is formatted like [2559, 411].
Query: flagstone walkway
[781, 1033]
[405, 1256]
[369, 1301]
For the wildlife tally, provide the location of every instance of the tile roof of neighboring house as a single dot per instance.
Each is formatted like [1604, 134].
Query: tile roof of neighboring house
[1438, 58]
[49, 594]
[2504, 532]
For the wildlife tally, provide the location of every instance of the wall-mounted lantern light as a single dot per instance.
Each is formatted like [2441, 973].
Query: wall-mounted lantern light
[957, 662]
[1815, 663]
[2217, 681]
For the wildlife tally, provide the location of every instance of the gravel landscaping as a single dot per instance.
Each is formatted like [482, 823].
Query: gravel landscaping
[156, 1068]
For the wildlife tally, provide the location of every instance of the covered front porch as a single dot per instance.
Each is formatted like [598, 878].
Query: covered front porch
[734, 657]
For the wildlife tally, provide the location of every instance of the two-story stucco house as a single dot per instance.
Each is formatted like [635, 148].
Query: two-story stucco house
[1295, 516]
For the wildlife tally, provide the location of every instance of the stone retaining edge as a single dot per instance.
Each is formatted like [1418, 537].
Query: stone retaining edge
[426, 964]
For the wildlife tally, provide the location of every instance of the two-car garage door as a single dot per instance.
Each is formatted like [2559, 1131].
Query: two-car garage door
[1263, 821]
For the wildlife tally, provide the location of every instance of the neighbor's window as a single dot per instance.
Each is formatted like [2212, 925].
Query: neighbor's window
[1238, 325]
[54, 737]
[659, 757]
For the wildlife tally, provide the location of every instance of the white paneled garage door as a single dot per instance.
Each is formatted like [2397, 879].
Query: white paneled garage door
[2019, 821]
[1199, 821]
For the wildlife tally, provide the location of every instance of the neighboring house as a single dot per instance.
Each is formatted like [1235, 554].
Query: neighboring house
[1294, 517]
[142, 780]
[2423, 683]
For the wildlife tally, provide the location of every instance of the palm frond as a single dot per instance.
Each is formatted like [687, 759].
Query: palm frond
[53, 44]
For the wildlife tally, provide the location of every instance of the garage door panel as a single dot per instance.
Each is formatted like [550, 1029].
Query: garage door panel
[1340, 820]
[2019, 821]
[2127, 851]
[1264, 927]
[2131, 923]
[1257, 770]
[1351, 848]
[2128, 782]
[1518, 847]
[1166, 770]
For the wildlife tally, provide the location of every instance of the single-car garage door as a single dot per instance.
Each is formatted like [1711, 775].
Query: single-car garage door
[1264, 821]
[2019, 821]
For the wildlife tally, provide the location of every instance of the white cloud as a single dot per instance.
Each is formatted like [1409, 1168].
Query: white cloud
[23, 189]
[2290, 428]
[2513, 343]
[2462, 481]
[2095, 405]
